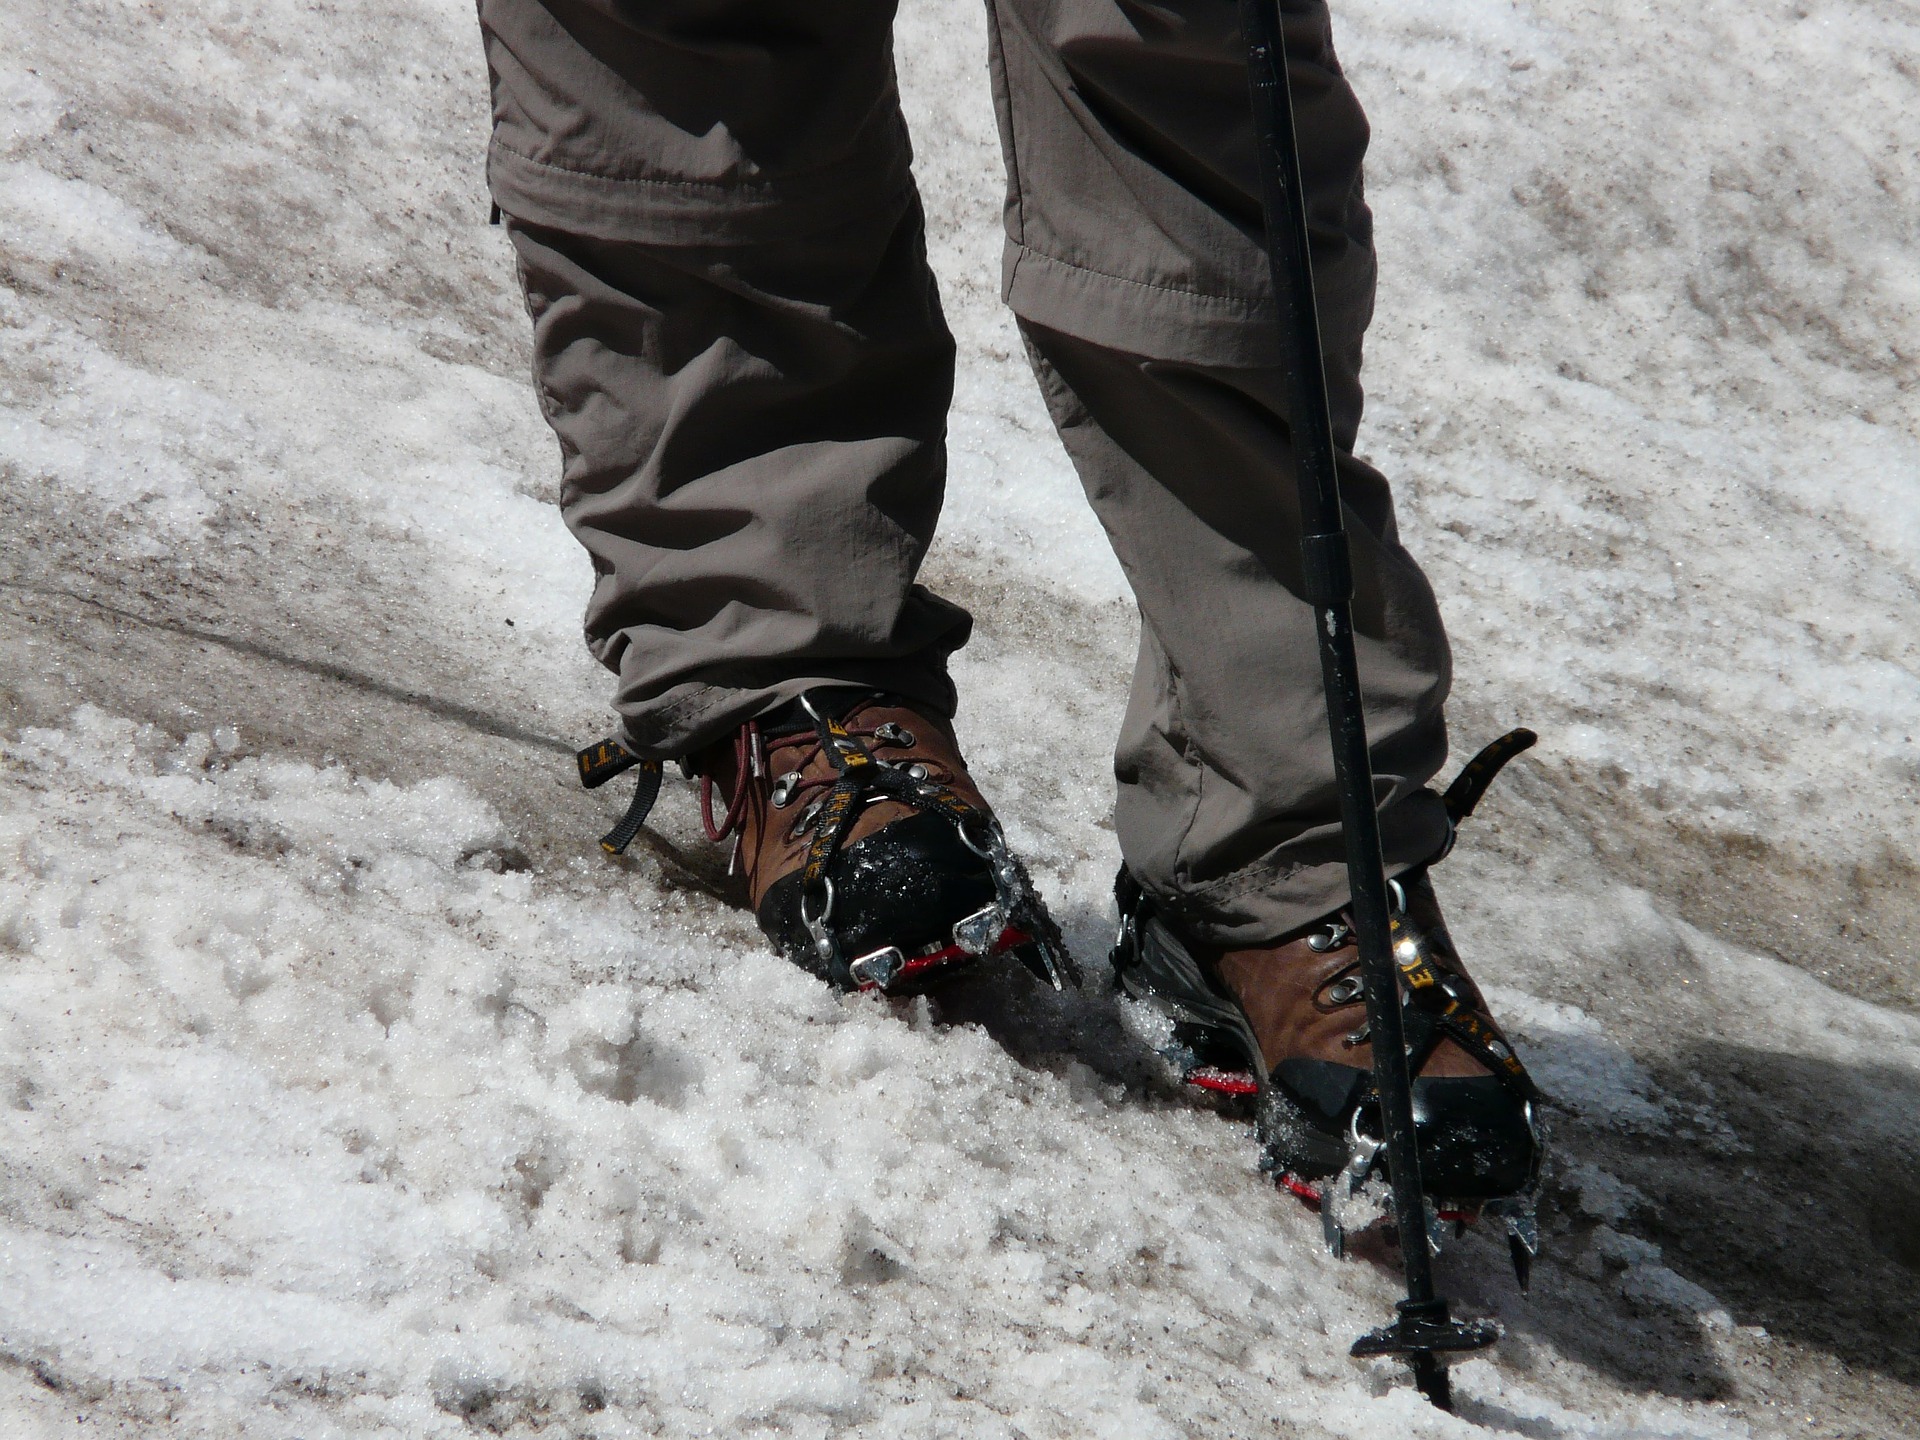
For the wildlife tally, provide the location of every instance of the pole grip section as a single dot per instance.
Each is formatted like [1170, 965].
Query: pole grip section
[1326, 563]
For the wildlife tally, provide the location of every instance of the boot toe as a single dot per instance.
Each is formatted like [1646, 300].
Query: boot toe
[904, 885]
[1476, 1137]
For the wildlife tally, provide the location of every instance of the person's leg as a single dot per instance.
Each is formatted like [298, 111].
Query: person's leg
[1135, 262]
[1227, 810]
[1136, 265]
[737, 342]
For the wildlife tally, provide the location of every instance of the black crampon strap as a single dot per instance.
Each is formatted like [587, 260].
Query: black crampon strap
[1425, 1029]
[857, 773]
[599, 764]
[1471, 783]
[1431, 1012]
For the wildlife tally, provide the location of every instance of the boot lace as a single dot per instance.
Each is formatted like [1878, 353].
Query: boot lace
[752, 765]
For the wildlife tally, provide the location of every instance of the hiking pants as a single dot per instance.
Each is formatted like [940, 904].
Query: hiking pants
[738, 343]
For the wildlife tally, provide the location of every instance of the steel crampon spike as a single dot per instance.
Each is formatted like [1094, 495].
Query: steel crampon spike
[1046, 954]
[1521, 1221]
[1363, 1154]
[1331, 1230]
[1520, 1213]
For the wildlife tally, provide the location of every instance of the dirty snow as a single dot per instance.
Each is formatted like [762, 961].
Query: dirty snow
[348, 1093]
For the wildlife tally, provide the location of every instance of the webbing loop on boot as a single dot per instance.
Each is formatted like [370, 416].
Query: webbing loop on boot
[601, 763]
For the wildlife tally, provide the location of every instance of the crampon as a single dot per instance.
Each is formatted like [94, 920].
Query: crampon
[1476, 1110]
[867, 854]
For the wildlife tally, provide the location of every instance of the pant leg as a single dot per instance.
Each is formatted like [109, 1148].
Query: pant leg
[737, 342]
[1227, 810]
[1135, 261]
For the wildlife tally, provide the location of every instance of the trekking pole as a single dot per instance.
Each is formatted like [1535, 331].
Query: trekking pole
[1423, 1331]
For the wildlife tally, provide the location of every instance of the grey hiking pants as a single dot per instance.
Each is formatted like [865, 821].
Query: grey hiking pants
[740, 348]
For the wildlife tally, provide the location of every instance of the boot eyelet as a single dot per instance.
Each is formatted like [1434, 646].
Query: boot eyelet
[895, 734]
[804, 822]
[783, 789]
[1331, 938]
[1345, 992]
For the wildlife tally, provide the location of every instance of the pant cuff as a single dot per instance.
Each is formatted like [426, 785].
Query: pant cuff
[1164, 323]
[693, 716]
[1294, 887]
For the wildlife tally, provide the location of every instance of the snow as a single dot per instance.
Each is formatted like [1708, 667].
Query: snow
[392, 1120]
[347, 1092]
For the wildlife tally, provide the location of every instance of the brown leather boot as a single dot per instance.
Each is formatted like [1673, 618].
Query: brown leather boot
[868, 854]
[1288, 1022]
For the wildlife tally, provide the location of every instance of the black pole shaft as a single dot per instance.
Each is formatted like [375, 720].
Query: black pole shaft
[1329, 588]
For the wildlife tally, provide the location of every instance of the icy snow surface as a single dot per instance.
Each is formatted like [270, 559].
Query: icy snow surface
[345, 1091]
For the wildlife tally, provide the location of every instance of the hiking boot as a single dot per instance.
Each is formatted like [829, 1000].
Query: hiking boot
[1285, 1025]
[1287, 1022]
[867, 852]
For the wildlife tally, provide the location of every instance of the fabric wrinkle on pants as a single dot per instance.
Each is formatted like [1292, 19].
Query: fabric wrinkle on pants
[755, 465]
[1133, 212]
[693, 122]
[1224, 762]
[739, 346]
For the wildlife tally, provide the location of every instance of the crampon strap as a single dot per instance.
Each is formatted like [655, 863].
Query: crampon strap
[859, 778]
[1434, 1009]
[601, 763]
[1471, 783]
[1434, 1006]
